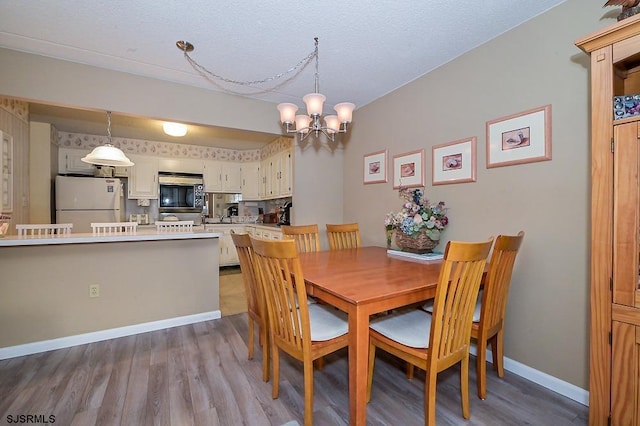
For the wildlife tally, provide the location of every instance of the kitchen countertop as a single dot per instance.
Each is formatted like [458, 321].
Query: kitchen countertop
[88, 238]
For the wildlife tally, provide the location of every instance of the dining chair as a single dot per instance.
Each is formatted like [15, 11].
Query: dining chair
[488, 325]
[343, 236]
[256, 305]
[306, 332]
[44, 229]
[114, 228]
[307, 237]
[439, 341]
[175, 226]
[491, 308]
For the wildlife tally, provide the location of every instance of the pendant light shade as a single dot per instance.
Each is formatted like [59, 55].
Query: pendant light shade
[107, 154]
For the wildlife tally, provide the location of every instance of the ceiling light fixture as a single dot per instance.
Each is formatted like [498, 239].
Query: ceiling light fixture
[304, 125]
[174, 129]
[107, 154]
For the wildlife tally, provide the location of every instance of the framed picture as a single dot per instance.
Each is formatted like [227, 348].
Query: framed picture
[454, 162]
[375, 167]
[519, 138]
[408, 170]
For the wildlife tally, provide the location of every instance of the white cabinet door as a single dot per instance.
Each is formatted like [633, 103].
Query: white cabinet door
[143, 178]
[228, 252]
[69, 162]
[286, 174]
[273, 178]
[264, 174]
[250, 181]
[212, 171]
[231, 177]
[180, 165]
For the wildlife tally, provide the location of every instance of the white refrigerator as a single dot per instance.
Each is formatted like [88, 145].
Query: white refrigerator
[83, 200]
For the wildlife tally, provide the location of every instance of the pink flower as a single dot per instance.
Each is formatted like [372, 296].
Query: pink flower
[417, 219]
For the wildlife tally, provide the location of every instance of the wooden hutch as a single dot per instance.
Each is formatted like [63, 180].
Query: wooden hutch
[614, 382]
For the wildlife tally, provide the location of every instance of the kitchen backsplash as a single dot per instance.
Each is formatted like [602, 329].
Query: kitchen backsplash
[166, 149]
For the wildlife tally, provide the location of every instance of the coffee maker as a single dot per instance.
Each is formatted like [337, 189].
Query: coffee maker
[285, 214]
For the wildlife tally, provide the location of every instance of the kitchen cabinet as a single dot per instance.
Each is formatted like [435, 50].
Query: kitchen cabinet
[250, 180]
[143, 177]
[614, 362]
[267, 233]
[180, 165]
[222, 176]
[69, 162]
[228, 253]
[278, 175]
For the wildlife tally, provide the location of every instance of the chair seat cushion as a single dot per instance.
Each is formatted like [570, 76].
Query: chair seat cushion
[326, 322]
[428, 306]
[411, 328]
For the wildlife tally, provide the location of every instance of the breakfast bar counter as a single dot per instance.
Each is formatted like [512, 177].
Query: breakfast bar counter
[60, 291]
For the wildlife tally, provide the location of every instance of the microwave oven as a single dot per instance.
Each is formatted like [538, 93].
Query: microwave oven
[180, 193]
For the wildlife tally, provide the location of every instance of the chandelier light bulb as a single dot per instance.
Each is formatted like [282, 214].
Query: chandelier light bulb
[332, 123]
[287, 113]
[314, 103]
[345, 111]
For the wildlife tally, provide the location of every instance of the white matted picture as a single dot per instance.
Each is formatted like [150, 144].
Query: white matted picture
[520, 138]
[408, 169]
[454, 162]
[375, 167]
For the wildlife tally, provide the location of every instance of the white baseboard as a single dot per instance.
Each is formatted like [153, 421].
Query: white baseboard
[97, 336]
[543, 379]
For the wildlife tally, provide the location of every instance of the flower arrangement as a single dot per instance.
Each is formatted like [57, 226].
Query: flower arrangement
[418, 217]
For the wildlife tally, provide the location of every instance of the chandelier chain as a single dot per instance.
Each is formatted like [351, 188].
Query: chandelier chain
[109, 126]
[299, 66]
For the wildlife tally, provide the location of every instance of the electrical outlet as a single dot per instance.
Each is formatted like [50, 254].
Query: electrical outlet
[94, 290]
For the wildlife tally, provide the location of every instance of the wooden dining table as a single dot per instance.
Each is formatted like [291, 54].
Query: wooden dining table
[362, 282]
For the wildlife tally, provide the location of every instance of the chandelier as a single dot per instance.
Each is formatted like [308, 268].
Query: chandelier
[303, 125]
[107, 154]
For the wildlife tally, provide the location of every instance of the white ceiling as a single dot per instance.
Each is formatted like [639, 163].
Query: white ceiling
[366, 48]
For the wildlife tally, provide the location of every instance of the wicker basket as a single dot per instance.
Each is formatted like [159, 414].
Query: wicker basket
[421, 244]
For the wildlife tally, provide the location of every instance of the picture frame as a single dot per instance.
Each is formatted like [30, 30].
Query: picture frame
[519, 138]
[454, 162]
[375, 167]
[408, 169]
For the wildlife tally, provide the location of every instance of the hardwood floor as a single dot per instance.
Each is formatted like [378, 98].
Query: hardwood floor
[199, 375]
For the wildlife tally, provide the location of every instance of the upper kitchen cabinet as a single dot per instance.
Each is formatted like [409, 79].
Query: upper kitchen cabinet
[143, 177]
[70, 162]
[180, 165]
[277, 176]
[250, 180]
[222, 176]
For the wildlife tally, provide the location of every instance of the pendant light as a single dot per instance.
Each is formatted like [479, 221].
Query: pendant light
[107, 154]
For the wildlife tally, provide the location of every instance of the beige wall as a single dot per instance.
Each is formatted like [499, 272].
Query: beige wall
[533, 65]
[44, 290]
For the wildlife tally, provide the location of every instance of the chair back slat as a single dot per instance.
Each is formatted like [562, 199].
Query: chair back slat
[280, 274]
[255, 298]
[44, 229]
[114, 228]
[495, 295]
[307, 237]
[175, 226]
[343, 236]
[456, 295]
